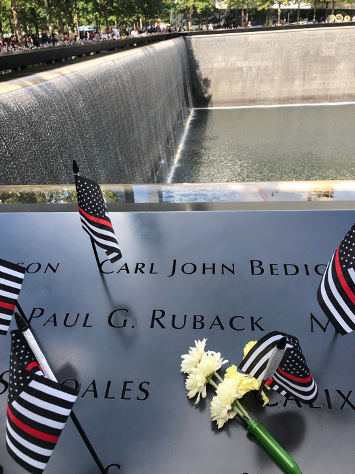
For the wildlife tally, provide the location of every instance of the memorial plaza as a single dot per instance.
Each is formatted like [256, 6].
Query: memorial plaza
[177, 278]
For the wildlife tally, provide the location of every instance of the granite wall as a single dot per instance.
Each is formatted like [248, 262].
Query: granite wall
[275, 67]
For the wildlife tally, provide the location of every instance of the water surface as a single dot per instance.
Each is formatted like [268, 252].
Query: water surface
[268, 144]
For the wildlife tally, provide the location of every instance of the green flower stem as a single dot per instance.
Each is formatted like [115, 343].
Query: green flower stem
[212, 382]
[218, 377]
[237, 402]
[238, 408]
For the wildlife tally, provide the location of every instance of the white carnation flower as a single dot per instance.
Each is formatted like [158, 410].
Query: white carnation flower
[221, 405]
[193, 358]
[199, 376]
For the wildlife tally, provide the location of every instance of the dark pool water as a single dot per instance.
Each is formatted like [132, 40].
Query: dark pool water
[268, 144]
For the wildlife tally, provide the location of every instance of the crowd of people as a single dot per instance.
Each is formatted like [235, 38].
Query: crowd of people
[339, 18]
[44, 40]
[283, 22]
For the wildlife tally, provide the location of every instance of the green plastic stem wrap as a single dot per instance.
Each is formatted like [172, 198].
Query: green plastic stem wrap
[256, 429]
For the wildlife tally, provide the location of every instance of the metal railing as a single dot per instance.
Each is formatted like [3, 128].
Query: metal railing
[24, 59]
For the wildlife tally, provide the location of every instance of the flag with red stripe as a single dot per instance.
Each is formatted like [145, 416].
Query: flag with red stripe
[37, 408]
[11, 278]
[336, 292]
[292, 377]
[94, 217]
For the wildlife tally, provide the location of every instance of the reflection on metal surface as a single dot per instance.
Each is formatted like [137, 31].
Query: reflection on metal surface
[188, 193]
[321, 193]
[45, 195]
[269, 106]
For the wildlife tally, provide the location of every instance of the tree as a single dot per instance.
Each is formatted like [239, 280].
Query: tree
[314, 11]
[204, 8]
[279, 5]
[103, 6]
[247, 5]
[237, 5]
[49, 23]
[315, 8]
[4, 8]
[218, 6]
[59, 16]
[298, 8]
[187, 7]
[265, 4]
[16, 20]
[30, 15]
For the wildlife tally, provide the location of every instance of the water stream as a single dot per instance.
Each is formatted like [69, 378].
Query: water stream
[122, 120]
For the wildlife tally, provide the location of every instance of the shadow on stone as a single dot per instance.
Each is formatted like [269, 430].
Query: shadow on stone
[200, 85]
[288, 429]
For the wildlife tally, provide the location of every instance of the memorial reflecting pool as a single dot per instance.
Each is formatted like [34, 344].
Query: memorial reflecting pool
[310, 142]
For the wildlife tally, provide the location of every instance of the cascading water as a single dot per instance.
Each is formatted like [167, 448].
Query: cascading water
[122, 120]
[123, 117]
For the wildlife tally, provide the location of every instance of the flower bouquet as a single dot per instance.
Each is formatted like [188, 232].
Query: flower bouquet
[202, 367]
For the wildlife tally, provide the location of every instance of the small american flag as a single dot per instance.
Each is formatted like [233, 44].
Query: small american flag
[94, 217]
[292, 377]
[336, 292]
[11, 278]
[37, 408]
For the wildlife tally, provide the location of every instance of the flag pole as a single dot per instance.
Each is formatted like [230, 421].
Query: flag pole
[24, 327]
[273, 362]
[95, 253]
[76, 172]
[87, 442]
[20, 310]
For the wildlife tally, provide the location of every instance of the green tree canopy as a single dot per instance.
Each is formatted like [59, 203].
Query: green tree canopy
[27, 16]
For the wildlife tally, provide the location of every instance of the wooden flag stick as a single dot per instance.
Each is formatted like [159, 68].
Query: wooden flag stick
[20, 310]
[24, 326]
[87, 442]
[274, 360]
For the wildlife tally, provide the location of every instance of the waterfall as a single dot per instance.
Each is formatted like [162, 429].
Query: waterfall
[121, 117]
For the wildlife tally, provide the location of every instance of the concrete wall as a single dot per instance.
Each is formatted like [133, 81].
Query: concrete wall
[276, 67]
